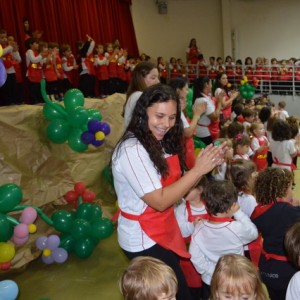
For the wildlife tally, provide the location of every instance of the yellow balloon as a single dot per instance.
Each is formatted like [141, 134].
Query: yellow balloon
[196, 151]
[32, 228]
[242, 82]
[245, 78]
[99, 136]
[47, 252]
[1, 50]
[7, 252]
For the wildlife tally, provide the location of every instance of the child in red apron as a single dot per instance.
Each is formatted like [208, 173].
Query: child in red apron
[273, 216]
[188, 214]
[259, 145]
[147, 166]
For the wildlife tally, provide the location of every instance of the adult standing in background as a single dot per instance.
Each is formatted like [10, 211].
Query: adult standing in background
[192, 52]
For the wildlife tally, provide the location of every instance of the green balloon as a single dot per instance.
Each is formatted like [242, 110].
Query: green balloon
[58, 131]
[73, 98]
[10, 196]
[6, 229]
[84, 248]
[74, 140]
[80, 229]
[67, 242]
[96, 213]
[107, 175]
[189, 106]
[78, 116]
[62, 220]
[198, 143]
[52, 111]
[85, 211]
[102, 228]
[94, 114]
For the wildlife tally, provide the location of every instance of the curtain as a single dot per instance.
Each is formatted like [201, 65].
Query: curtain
[66, 21]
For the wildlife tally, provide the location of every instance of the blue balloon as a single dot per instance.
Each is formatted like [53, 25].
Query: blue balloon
[105, 128]
[3, 74]
[8, 290]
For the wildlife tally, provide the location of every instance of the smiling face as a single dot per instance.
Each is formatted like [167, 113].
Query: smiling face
[152, 77]
[259, 131]
[224, 80]
[161, 118]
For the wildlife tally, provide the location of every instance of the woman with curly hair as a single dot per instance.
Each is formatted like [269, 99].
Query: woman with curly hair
[273, 216]
[150, 176]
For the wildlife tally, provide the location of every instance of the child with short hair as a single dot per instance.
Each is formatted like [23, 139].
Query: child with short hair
[273, 216]
[148, 278]
[241, 146]
[259, 145]
[281, 112]
[292, 247]
[220, 234]
[236, 276]
[248, 115]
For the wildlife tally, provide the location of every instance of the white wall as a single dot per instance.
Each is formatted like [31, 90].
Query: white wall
[263, 27]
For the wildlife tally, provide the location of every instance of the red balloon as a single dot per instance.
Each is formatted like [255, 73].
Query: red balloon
[79, 187]
[71, 196]
[88, 196]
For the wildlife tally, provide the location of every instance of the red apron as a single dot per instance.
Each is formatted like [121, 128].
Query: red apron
[278, 163]
[35, 70]
[260, 158]
[162, 227]
[193, 278]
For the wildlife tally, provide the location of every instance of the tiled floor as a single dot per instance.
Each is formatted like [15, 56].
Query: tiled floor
[95, 278]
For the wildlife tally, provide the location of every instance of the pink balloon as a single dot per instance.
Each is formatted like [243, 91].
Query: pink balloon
[52, 242]
[20, 241]
[21, 231]
[28, 216]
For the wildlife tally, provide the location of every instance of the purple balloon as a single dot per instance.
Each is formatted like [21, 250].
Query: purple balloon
[60, 255]
[97, 143]
[3, 74]
[41, 242]
[52, 242]
[87, 137]
[47, 259]
[105, 128]
[94, 126]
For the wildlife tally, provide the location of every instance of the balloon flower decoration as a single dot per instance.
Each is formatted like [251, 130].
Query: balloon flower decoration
[80, 230]
[246, 89]
[3, 74]
[189, 103]
[72, 123]
[9, 290]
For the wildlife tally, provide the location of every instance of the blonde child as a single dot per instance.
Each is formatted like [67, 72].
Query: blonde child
[273, 216]
[220, 234]
[259, 145]
[148, 278]
[235, 277]
[292, 247]
[219, 172]
[188, 214]
[241, 146]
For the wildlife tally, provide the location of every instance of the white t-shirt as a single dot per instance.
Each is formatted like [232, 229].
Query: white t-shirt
[282, 150]
[247, 203]
[255, 142]
[184, 121]
[210, 241]
[134, 176]
[130, 105]
[181, 213]
[282, 114]
[204, 121]
[293, 290]
[221, 171]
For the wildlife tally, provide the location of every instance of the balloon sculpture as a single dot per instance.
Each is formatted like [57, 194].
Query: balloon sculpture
[81, 230]
[246, 89]
[8, 290]
[73, 123]
[3, 74]
[189, 105]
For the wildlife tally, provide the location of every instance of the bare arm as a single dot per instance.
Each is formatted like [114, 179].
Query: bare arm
[163, 198]
[198, 110]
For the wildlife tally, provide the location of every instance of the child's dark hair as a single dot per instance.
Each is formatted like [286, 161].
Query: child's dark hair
[219, 196]
[272, 184]
[292, 243]
[281, 130]
[281, 104]
[239, 172]
[234, 129]
[240, 140]
[198, 86]
[238, 108]
[247, 112]
[29, 42]
[265, 113]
